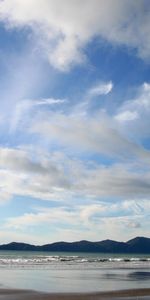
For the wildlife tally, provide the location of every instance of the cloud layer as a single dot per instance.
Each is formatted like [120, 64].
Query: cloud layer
[58, 177]
[87, 221]
[65, 27]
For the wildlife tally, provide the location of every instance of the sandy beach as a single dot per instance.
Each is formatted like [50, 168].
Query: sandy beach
[9, 294]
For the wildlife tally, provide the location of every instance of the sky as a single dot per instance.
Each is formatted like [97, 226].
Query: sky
[74, 120]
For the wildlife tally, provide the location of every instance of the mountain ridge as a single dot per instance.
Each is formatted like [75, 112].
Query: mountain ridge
[139, 245]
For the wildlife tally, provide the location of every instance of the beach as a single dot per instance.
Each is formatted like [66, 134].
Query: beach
[8, 294]
[71, 276]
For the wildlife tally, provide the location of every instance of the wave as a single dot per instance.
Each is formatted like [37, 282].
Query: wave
[46, 260]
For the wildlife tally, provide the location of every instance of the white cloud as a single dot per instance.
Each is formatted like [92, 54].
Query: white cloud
[127, 116]
[65, 27]
[97, 90]
[134, 115]
[102, 88]
[46, 101]
[23, 174]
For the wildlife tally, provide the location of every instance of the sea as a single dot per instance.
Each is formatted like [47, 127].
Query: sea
[73, 272]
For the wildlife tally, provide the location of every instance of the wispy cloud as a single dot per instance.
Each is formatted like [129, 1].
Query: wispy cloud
[25, 107]
[46, 101]
[134, 113]
[98, 133]
[102, 88]
[127, 116]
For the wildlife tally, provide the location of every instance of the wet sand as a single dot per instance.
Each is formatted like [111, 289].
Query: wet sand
[32, 295]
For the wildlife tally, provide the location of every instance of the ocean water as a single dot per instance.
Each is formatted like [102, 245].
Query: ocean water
[73, 272]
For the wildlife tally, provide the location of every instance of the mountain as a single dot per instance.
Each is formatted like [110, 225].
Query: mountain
[18, 247]
[139, 245]
[81, 246]
[136, 245]
[113, 246]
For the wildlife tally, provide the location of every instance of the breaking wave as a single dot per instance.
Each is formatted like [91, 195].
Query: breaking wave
[60, 259]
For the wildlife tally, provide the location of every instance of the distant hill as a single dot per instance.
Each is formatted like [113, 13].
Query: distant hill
[136, 245]
[139, 245]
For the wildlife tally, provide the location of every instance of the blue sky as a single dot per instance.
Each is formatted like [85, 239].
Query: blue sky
[74, 120]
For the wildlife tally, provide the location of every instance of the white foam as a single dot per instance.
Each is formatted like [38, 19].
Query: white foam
[48, 260]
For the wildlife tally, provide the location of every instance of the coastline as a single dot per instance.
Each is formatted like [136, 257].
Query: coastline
[16, 294]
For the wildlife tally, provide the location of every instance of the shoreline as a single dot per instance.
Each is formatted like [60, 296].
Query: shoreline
[17, 294]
